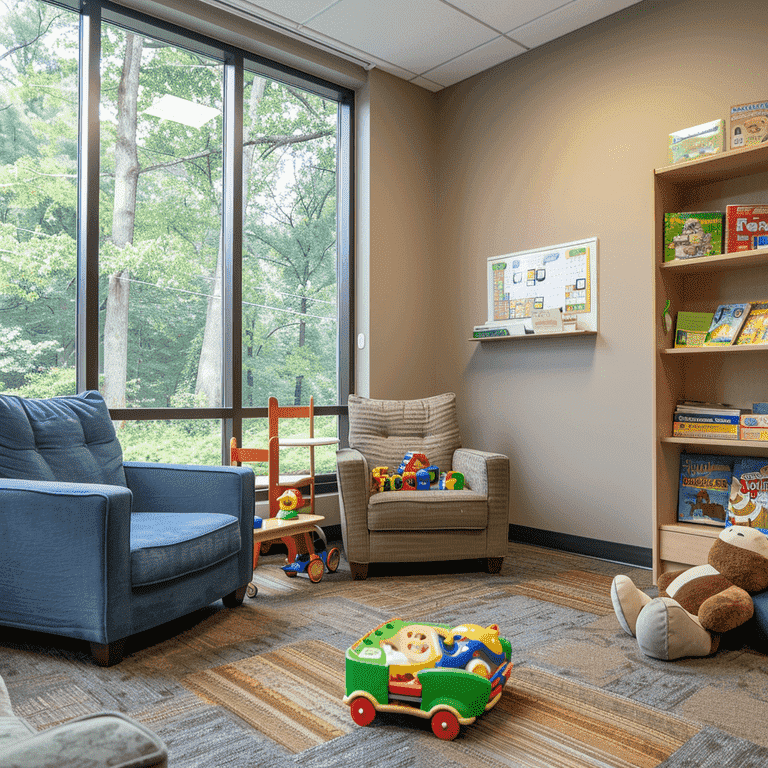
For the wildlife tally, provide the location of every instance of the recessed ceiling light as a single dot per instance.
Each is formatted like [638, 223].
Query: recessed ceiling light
[182, 111]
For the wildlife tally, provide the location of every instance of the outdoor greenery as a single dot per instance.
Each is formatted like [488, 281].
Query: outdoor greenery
[160, 244]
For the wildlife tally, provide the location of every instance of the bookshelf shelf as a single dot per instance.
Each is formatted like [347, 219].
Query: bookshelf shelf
[729, 350]
[734, 374]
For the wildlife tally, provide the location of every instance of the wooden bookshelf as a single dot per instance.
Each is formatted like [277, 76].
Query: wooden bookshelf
[735, 374]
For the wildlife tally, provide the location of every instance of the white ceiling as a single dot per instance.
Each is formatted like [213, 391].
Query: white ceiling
[432, 43]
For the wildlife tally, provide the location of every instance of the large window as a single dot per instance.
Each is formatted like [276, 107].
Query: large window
[174, 228]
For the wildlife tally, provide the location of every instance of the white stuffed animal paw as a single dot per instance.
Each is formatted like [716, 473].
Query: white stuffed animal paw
[665, 630]
[628, 601]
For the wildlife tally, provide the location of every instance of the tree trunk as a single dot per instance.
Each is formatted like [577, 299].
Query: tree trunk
[209, 370]
[123, 222]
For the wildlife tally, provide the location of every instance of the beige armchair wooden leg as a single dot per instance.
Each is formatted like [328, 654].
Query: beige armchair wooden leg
[493, 564]
[359, 571]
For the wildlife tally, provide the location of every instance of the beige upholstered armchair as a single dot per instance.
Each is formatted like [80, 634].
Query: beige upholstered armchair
[409, 526]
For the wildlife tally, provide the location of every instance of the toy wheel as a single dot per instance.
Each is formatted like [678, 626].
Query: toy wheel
[362, 711]
[315, 570]
[333, 559]
[251, 590]
[290, 574]
[445, 725]
[479, 667]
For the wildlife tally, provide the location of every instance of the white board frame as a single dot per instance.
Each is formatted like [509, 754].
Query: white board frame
[586, 319]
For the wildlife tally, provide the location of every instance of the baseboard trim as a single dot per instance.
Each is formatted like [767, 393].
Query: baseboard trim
[581, 545]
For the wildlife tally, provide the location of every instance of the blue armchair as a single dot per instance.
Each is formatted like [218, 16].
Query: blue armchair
[98, 549]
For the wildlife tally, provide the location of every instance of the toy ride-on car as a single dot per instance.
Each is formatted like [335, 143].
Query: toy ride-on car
[450, 675]
[314, 563]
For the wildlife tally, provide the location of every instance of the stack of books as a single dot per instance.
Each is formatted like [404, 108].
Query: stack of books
[707, 421]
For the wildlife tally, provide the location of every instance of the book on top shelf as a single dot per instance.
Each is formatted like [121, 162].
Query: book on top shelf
[705, 483]
[692, 328]
[726, 324]
[755, 328]
[706, 431]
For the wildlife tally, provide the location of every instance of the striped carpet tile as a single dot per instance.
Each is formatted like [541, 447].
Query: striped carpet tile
[590, 592]
[291, 695]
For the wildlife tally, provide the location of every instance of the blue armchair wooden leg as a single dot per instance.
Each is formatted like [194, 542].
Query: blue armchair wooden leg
[108, 654]
[233, 599]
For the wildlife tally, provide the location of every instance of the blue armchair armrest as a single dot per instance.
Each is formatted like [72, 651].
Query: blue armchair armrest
[189, 488]
[58, 540]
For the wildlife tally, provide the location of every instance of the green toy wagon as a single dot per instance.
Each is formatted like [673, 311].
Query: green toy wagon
[450, 675]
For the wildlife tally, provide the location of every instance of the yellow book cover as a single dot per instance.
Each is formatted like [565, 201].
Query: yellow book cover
[755, 330]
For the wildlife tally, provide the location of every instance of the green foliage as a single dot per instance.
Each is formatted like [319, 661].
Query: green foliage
[289, 237]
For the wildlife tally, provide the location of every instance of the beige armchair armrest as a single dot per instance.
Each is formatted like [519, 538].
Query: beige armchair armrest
[108, 739]
[488, 473]
[354, 491]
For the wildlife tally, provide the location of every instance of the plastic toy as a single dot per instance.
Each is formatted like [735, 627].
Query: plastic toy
[447, 675]
[413, 474]
[315, 563]
[290, 502]
[451, 481]
[412, 462]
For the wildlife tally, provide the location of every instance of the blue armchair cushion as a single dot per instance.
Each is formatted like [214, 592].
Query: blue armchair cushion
[172, 544]
[66, 439]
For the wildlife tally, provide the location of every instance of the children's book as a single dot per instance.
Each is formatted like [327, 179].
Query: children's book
[726, 324]
[755, 329]
[693, 234]
[748, 500]
[692, 328]
[705, 482]
[748, 124]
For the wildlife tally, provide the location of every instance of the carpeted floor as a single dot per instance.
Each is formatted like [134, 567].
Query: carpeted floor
[261, 685]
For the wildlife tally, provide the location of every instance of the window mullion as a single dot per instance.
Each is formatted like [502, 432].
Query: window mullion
[87, 333]
[232, 242]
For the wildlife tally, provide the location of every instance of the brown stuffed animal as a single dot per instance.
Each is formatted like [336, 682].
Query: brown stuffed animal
[696, 606]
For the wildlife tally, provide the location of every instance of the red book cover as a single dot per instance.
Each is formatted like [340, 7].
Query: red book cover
[746, 227]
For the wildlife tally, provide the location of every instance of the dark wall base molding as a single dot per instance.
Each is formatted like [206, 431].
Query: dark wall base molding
[580, 545]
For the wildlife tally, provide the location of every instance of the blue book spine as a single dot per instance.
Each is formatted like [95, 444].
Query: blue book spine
[706, 418]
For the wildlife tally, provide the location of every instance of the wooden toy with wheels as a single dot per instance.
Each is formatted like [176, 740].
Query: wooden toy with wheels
[314, 563]
[449, 675]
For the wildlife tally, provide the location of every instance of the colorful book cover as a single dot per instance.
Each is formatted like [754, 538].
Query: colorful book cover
[748, 124]
[709, 431]
[746, 227]
[692, 328]
[705, 482]
[748, 499]
[726, 324]
[697, 141]
[689, 235]
[755, 328]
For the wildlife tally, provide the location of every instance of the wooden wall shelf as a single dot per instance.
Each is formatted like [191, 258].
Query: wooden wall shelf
[538, 336]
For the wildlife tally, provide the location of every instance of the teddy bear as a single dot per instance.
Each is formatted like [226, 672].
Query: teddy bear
[696, 606]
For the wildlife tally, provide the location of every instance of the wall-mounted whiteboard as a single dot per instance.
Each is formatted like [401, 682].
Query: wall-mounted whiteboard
[558, 276]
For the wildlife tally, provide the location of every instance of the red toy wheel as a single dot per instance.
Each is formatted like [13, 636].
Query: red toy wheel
[290, 574]
[445, 725]
[333, 559]
[315, 569]
[362, 711]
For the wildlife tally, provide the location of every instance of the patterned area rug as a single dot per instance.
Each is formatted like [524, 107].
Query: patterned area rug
[262, 684]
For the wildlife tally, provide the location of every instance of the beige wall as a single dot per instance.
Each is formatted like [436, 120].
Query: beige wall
[398, 305]
[554, 146]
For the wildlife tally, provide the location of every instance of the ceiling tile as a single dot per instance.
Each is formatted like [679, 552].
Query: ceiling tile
[509, 14]
[574, 15]
[478, 60]
[418, 35]
[295, 10]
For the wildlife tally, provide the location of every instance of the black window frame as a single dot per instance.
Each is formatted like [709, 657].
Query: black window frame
[92, 14]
